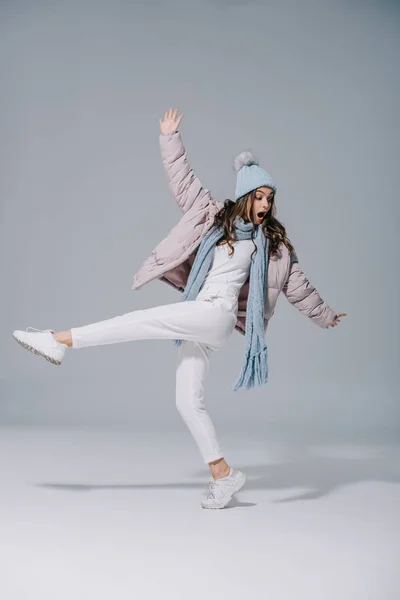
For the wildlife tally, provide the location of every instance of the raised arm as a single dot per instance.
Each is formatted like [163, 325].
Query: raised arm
[304, 296]
[184, 185]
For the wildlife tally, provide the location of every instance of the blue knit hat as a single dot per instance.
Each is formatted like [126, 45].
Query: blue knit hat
[249, 175]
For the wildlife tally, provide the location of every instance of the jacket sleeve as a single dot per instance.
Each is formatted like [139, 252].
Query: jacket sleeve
[183, 183]
[304, 296]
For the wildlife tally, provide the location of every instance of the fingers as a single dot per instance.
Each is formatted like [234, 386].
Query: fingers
[171, 114]
[168, 115]
[337, 319]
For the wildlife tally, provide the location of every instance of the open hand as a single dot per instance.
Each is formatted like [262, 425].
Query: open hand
[337, 319]
[170, 123]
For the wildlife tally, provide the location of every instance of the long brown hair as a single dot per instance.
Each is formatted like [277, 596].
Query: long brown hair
[273, 229]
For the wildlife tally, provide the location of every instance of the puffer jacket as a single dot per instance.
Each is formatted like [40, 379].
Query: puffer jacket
[173, 258]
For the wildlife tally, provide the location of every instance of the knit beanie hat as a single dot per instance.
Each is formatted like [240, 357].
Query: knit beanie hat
[249, 175]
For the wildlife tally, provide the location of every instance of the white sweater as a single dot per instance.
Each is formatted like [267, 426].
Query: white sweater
[228, 273]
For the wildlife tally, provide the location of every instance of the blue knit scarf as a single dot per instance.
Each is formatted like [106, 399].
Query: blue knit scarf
[255, 371]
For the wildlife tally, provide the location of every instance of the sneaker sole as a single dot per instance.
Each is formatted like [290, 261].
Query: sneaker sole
[53, 361]
[242, 480]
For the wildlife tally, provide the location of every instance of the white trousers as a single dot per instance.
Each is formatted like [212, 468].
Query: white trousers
[204, 325]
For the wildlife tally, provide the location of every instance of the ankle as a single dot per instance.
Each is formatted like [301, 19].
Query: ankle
[222, 474]
[63, 337]
[219, 468]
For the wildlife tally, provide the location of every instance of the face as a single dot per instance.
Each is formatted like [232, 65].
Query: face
[258, 209]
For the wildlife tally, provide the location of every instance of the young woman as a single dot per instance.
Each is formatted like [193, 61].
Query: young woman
[231, 261]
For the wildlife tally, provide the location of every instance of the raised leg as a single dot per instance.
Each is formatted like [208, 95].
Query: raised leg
[193, 321]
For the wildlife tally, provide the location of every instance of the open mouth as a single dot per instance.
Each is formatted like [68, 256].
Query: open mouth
[261, 215]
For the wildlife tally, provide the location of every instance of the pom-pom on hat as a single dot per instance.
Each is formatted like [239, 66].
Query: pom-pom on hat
[250, 175]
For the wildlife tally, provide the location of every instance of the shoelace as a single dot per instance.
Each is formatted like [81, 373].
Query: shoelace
[213, 489]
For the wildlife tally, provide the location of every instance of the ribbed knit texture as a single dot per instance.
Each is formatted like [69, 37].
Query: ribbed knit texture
[255, 370]
[250, 177]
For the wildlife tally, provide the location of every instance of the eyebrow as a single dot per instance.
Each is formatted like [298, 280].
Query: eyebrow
[270, 195]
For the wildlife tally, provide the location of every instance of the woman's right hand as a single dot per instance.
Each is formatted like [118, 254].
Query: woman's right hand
[170, 123]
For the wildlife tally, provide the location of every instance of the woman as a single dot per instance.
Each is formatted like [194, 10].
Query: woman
[231, 261]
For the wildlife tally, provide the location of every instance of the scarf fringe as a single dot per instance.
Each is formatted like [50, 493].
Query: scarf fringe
[255, 371]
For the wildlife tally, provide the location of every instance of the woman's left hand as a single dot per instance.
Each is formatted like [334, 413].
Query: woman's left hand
[337, 319]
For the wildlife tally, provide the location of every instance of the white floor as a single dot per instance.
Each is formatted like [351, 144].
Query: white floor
[116, 515]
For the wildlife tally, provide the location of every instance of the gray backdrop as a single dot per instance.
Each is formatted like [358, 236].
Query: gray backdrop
[312, 88]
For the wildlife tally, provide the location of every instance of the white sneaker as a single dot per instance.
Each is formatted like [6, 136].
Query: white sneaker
[42, 343]
[220, 491]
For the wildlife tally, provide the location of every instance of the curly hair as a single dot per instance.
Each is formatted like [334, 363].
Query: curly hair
[273, 229]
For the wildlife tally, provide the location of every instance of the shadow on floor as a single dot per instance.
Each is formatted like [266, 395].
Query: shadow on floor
[317, 476]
